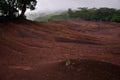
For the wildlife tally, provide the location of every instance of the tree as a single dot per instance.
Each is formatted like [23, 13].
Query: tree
[7, 9]
[22, 5]
[70, 12]
[116, 16]
[13, 7]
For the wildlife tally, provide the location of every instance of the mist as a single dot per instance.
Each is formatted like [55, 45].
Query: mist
[48, 6]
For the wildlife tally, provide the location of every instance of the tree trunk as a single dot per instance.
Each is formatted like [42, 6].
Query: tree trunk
[23, 11]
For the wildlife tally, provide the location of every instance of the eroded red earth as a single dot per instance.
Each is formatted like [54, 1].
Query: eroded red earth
[60, 50]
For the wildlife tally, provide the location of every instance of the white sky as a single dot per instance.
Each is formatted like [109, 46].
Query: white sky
[55, 5]
[45, 5]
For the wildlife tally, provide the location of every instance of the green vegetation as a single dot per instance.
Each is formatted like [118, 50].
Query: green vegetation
[54, 17]
[101, 14]
[12, 8]
[62, 16]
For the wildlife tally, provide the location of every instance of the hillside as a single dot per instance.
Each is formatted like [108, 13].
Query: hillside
[60, 50]
[84, 13]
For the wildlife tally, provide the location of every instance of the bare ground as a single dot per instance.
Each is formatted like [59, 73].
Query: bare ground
[60, 50]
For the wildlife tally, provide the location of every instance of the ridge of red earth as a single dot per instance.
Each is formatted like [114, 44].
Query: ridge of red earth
[60, 50]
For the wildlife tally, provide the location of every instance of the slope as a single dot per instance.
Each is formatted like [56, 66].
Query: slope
[60, 50]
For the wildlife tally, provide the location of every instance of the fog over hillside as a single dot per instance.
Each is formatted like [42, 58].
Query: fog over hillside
[55, 5]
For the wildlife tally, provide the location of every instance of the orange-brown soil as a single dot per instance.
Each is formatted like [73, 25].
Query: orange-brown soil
[60, 50]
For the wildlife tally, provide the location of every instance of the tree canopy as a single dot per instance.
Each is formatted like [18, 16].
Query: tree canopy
[16, 8]
[101, 14]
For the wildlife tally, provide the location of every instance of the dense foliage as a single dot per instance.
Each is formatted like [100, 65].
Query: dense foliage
[16, 8]
[101, 14]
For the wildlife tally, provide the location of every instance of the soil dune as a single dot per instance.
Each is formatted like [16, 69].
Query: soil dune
[60, 50]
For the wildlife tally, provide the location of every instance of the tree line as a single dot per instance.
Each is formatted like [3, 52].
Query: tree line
[91, 14]
[101, 14]
[16, 8]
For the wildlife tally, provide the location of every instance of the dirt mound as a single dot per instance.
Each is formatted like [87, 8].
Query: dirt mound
[60, 50]
[87, 70]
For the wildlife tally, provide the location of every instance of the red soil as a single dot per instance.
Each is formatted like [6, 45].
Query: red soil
[62, 50]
